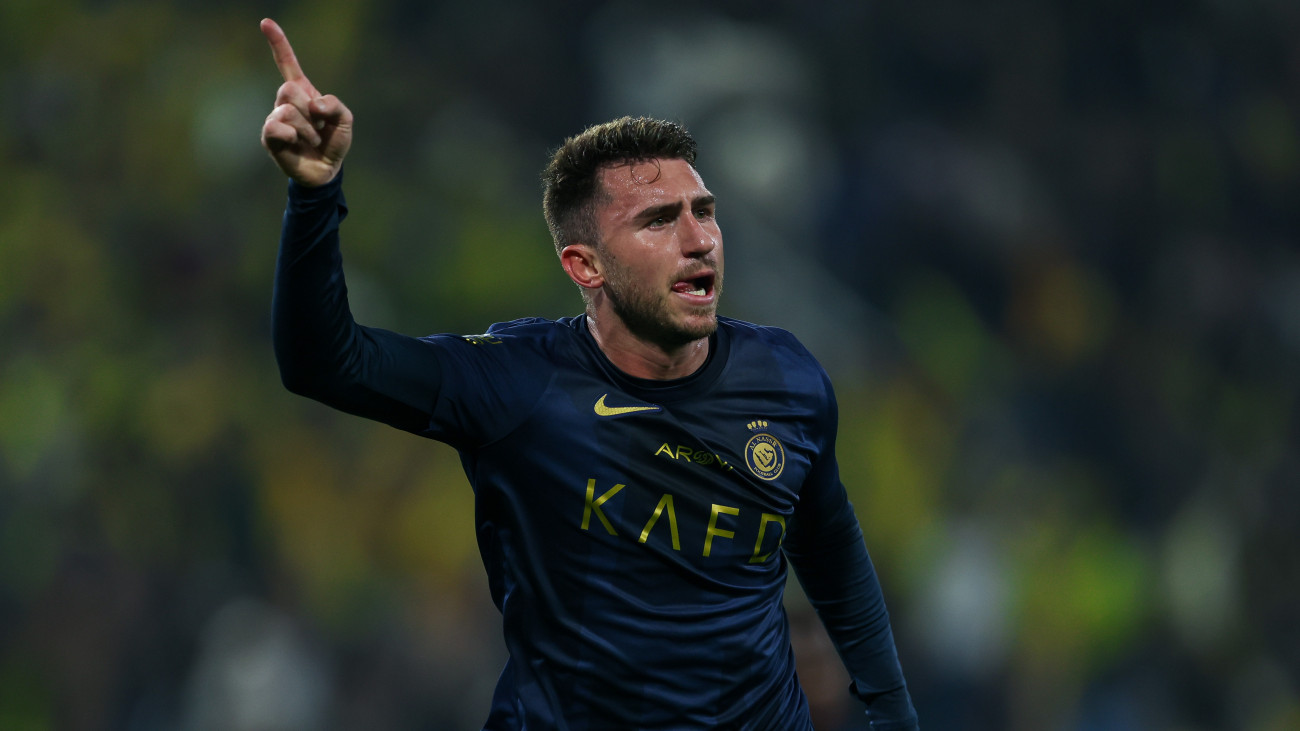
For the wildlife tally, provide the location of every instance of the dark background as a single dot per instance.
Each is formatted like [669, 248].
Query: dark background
[1048, 252]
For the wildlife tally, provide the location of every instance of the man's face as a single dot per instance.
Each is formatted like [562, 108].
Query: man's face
[661, 251]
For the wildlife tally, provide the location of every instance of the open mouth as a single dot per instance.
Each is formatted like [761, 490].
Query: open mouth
[699, 286]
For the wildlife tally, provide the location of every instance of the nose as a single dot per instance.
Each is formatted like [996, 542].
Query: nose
[696, 238]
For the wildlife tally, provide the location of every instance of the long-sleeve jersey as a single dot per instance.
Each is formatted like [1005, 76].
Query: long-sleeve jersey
[635, 532]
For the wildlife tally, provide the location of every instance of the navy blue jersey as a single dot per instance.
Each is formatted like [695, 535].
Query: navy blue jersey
[635, 532]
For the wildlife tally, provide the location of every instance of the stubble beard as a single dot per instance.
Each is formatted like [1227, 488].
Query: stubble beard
[648, 314]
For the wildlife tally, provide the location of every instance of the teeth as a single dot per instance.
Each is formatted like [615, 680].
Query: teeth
[697, 292]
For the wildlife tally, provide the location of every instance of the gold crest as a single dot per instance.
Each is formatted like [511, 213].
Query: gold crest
[765, 456]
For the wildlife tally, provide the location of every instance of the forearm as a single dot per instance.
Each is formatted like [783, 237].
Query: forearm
[842, 586]
[321, 351]
[311, 324]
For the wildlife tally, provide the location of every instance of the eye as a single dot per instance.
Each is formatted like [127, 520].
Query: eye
[704, 214]
[657, 222]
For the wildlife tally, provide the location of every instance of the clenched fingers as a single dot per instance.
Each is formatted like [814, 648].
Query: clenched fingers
[296, 94]
[286, 125]
[328, 110]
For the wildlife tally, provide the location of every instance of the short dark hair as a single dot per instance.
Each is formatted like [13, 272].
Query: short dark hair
[571, 182]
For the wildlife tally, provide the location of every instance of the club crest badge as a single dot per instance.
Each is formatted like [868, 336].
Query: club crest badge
[764, 453]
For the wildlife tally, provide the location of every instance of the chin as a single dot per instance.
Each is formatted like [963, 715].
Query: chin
[699, 328]
[664, 323]
[673, 335]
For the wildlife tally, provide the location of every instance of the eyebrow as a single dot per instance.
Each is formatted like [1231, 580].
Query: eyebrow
[670, 210]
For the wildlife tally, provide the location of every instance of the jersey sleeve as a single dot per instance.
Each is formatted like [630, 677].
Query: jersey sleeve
[444, 387]
[830, 559]
[490, 383]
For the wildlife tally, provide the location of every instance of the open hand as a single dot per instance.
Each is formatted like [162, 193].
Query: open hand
[308, 134]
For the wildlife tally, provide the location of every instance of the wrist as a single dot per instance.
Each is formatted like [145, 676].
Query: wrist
[308, 194]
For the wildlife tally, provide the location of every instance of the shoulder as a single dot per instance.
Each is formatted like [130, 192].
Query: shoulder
[538, 329]
[528, 327]
[744, 331]
[764, 344]
[780, 342]
[529, 340]
[524, 331]
[765, 357]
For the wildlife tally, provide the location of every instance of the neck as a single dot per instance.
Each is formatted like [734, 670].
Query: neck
[641, 358]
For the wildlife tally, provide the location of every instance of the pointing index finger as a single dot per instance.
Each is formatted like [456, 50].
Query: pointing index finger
[285, 60]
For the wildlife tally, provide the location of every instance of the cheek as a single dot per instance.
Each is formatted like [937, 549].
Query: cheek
[655, 256]
[716, 233]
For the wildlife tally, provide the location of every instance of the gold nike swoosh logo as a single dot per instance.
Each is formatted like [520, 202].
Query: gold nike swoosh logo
[603, 410]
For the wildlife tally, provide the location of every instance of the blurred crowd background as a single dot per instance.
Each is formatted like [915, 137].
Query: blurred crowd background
[1047, 250]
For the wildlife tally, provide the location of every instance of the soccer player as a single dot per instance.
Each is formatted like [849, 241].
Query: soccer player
[643, 472]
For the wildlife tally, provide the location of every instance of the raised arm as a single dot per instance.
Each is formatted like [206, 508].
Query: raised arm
[308, 133]
[322, 352]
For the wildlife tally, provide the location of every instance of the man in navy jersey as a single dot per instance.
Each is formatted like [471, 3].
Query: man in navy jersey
[642, 472]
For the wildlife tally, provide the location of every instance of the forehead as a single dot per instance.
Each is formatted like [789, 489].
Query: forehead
[632, 187]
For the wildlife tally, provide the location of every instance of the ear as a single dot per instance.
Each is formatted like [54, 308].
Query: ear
[582, 264]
